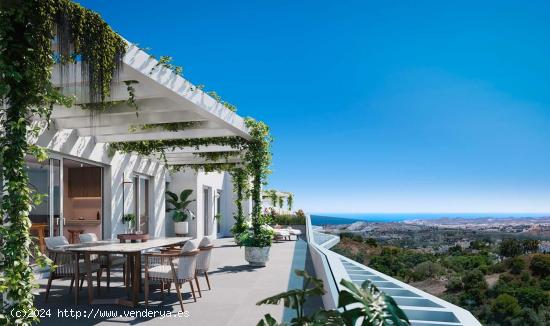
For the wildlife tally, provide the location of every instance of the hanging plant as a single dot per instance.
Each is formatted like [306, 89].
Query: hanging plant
[289, 201]
[27, 29]
[273, 196]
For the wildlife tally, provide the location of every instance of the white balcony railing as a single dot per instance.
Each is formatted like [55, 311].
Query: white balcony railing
[423, 309]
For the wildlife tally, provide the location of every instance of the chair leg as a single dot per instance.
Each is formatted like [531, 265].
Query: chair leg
[169, 287]
[48, 287]
[108, 278]
[146, 290]
[179, 295]
[99, 280]
[198, 286]
[193, 290]
[207, 280]
[162, 289]
[81, 282]
[124, 273]
[71, 287]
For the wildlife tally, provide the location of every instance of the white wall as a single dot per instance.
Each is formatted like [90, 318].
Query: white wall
[67, 143]
[213, 181]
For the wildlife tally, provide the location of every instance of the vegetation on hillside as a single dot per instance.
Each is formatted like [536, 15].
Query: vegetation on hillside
[504, 283]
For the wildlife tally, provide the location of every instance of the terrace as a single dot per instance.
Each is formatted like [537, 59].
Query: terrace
[236, 287]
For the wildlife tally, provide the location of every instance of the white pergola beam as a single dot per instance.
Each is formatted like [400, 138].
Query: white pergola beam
[126, 120]
[202, 149]
[124, 128]
[181, 161]
[164, 135]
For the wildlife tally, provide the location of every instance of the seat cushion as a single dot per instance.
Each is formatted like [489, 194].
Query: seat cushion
[111, 260]
[205, 242]
[281, 232]
[87, 237]
[295, 232]
[53, 242]
[189, 245]
[69, 268]
[164, 273]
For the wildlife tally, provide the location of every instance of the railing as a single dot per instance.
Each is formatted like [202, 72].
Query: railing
[423, 309]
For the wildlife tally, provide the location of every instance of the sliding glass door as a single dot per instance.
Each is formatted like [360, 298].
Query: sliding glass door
[57, 220]
[45, 179]
[141, 202]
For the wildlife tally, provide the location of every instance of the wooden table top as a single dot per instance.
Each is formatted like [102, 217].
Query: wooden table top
[114, 246]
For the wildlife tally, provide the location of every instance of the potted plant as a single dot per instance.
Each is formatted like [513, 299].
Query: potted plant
[257, 245]
[181, 212]
[130, 220]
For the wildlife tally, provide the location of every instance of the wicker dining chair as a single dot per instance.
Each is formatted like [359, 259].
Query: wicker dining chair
[65, 262]
[105, 261]
[203, 260]
[169, 266]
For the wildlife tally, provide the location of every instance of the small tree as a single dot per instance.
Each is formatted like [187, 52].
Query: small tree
[510, 248]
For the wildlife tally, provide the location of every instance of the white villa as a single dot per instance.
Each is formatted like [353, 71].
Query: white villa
[90, 189]
[277, 200]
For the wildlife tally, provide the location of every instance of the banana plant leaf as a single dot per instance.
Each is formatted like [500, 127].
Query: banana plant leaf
[369, 306]
[185, 194]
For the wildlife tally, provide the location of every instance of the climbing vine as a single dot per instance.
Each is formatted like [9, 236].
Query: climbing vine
[289, 201]
[27, 29]
[255, 153]
[240, 188]
[168, 126]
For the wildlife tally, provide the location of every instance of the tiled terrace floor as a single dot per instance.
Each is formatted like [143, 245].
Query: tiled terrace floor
[236, 287]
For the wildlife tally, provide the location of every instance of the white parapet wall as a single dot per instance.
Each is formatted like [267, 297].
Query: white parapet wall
[420, 307]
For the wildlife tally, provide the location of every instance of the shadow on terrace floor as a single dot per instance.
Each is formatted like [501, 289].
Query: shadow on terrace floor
[236, 287]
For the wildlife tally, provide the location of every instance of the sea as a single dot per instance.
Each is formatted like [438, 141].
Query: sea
[348, 218]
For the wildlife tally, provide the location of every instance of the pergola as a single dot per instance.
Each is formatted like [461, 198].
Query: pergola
[162, 97]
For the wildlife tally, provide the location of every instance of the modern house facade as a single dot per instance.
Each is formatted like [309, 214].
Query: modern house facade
[89, 188]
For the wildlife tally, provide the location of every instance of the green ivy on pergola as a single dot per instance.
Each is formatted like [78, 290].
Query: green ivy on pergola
[27, 58]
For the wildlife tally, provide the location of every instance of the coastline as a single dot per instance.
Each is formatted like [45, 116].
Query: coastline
[430, 218]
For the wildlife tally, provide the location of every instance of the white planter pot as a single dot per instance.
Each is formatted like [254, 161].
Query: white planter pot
[256, 256]
[181, 227]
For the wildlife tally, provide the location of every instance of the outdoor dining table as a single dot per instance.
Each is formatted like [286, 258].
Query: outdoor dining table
[132, 251]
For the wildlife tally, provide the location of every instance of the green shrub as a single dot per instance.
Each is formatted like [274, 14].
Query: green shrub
[531, 297]
[288, 220]
[499, 267]
[516, 265]
[454, 284]
[545, 284]
[351, 235]
[505, 306]
[426, 270]
[540, 265]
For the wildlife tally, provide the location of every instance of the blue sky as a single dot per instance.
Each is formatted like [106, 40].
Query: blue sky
[375, 106]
